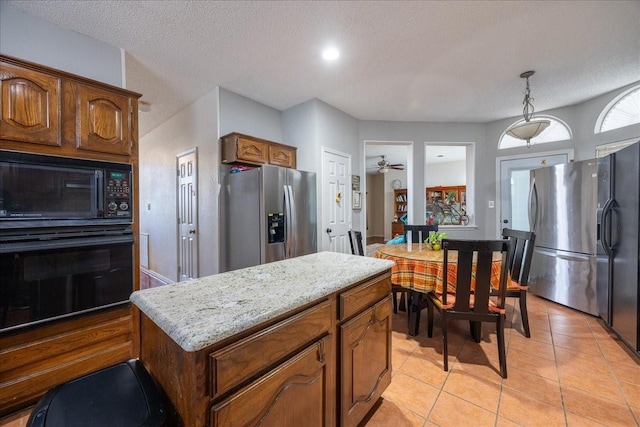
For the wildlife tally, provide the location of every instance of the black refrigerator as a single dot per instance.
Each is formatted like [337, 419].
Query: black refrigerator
[618, 243]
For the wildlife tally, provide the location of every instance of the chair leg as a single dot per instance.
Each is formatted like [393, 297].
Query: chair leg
[445, 344]
[394, 296]
[430, 310]
[523, 313]
[476, 330]
[502, 355]
[403, 301]
[414, 312]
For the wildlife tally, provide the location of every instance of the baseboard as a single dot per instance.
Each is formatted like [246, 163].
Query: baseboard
[151, 279]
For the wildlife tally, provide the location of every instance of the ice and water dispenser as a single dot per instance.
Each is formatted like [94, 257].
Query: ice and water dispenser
[275, 227]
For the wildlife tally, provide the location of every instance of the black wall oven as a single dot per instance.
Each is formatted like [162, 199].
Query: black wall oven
[66, 241]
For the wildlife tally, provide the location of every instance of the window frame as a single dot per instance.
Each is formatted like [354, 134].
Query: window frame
[610, 107]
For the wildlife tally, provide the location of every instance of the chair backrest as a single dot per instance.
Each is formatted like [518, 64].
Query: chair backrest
[522, 243]
[355, 239]
[416, 229]
[480, 253]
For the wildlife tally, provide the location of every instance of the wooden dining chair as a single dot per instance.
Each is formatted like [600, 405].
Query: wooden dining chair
[355, 239]
[417, 231]
[522, 243]
[471, 298]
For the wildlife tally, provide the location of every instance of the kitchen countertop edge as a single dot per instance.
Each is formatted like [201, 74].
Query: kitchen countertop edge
[201, 312]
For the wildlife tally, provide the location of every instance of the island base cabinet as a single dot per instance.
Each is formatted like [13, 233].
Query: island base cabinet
[365, 361]
[293, 394]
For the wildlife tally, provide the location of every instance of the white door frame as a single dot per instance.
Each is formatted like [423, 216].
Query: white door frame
[498, 218]
[325, 197]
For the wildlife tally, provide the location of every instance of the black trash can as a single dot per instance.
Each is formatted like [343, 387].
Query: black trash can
[122, 395]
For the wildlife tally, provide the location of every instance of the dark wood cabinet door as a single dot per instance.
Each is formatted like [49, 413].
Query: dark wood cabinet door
[30, 106]
[103, 121]
[291, 395]
[251, 151]
[365, 357]
[280, 155]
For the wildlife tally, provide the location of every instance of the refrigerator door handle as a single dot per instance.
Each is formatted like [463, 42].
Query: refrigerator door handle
[293, 247]
[533, 213]
[287, 221]
[606, 227]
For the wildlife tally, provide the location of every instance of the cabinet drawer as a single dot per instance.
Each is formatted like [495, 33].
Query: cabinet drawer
[354, 300]
[292, 394]
[238, 362]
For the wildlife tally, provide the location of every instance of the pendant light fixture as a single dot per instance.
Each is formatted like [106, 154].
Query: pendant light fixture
[531, 127]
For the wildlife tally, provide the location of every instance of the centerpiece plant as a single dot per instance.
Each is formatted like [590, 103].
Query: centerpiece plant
[435, 240]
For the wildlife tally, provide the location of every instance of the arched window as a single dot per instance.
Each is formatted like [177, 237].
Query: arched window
[623, 110]
[557, 131]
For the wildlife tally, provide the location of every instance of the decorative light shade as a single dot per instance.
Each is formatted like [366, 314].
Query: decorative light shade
[383, 169]
[531, 127]
[528, 130]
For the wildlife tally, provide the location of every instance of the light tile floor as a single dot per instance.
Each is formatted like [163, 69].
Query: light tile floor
[571, 372]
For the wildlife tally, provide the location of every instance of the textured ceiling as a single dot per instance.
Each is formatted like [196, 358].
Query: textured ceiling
[455, 61]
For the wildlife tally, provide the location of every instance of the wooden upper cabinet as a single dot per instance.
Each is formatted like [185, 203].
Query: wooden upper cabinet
[282, 155]
[251, 151]
[30, 106]
[103, 121]
[49, 111]
[239, 148]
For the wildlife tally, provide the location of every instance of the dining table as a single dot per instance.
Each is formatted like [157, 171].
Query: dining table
[419, 269]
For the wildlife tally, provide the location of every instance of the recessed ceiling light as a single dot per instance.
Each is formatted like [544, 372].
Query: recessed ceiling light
[440, 155]
[330, 54]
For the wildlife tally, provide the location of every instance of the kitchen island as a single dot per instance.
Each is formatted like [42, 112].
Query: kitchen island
[305, 341]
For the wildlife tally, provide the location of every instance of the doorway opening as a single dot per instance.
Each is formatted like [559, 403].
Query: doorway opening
[381, 185]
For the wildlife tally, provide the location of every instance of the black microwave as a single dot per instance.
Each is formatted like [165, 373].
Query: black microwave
[40, 189]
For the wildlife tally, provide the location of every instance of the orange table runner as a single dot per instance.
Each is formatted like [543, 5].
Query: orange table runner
[420, 268]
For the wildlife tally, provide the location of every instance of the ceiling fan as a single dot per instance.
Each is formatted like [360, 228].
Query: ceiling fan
[384, 165]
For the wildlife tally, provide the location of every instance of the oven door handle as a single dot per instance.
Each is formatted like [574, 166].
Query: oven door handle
[64, 243]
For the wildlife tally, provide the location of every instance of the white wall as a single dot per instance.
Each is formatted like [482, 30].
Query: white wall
[389, 199]
[196, 126]
[244, 115]
[449, 173]
[33, 39]
[375, 199]
[299, 128]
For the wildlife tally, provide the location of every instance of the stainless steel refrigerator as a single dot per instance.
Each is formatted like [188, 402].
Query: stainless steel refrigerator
[618, 269]
[562, 213]
[270, 215]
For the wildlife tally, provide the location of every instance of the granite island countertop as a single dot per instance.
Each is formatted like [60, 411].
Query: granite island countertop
[204, 311]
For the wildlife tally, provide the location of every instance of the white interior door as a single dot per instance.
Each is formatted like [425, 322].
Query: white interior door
[187, 216]
[513, 182]
[336, 201]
